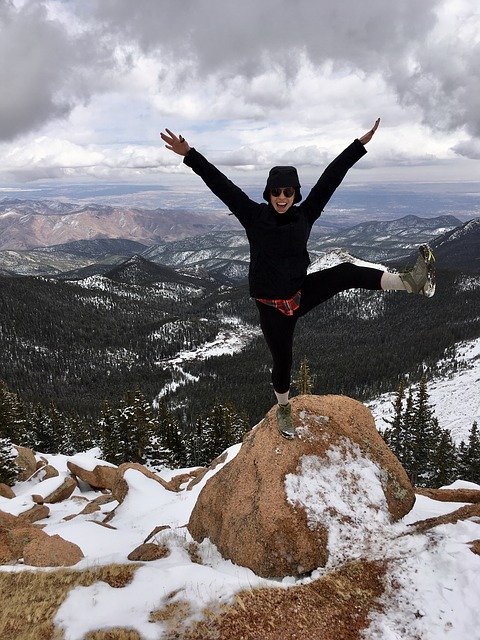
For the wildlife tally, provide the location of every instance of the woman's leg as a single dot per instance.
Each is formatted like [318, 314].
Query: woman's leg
[322, 285]
[278, 329]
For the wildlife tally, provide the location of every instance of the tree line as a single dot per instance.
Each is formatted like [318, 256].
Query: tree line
[131, 431]
[425, 449]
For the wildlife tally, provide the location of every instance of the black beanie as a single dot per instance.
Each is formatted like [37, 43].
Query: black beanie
[283, 177]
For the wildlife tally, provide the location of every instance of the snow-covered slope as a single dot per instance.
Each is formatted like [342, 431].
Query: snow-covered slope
[454, 392]
[432, 582]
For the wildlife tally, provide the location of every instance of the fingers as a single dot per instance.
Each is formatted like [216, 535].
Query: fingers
[375, 126]
[175, 143]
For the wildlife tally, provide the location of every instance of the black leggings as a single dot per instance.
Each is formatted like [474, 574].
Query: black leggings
[317, 287]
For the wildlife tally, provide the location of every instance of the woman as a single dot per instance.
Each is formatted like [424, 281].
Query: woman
[278, 233]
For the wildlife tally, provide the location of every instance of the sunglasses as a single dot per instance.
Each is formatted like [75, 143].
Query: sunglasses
[288, 192]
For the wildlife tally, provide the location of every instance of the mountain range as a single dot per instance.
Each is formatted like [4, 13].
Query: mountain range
[224, 253]
[26, 224]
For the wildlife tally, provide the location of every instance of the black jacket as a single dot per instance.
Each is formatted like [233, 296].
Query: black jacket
[278, 242]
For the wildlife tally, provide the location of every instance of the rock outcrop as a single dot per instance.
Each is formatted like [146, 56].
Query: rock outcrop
[245, 511]
[120, 487]
[102, 476]
[6, 491]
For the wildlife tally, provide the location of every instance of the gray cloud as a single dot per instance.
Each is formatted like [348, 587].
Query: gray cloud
[45, 70]
[435, 72]
[48, 68]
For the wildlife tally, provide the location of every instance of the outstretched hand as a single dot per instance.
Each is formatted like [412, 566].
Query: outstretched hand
[369, 135]
[177, 144]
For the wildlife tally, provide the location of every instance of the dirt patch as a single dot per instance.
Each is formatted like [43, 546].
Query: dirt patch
[335, 607]
[44, 592]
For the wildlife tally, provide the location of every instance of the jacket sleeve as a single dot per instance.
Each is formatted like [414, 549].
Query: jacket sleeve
[232, 196]
[331, 179]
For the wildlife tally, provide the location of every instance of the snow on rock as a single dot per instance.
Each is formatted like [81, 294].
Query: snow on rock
[344, 494]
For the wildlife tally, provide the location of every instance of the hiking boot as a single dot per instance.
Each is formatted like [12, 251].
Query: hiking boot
[284, 421]
[421, 277]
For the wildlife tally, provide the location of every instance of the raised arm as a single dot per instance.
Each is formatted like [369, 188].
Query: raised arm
[333, 175]
[232, 196]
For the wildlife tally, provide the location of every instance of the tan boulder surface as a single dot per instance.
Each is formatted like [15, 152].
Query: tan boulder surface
[148, 551]
[244, 509]
[51, 551]
[6, 491]
[450, 495]
[103, 476]
[37, 512]
[13, 541]
[26, 462]
[62, 492]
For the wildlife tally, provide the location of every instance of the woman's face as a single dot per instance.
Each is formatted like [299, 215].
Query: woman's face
[282, 198]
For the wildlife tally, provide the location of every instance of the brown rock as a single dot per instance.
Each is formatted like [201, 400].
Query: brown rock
[38, 512]
[203, 471]
[450, 495]
[21, 536]
[6, 491]
[8, 521]
[26, 462]
[102, 476]
[148, 551]
[120, 488]
[51, 551]
[475, 546]
[7, 555]
[175, 483]
[49, 472]
[63, 492]
[103, 499]
[153, 533]
[465, 512]
[243, 508]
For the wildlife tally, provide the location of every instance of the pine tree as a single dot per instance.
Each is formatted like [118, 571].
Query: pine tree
[78, 434]
[110, 435]
[134, 424]
[443, 463]
[394, 434]
[45, 427]
[165, 445]
[469, 457]
[12, 416]
[8, 469]
[304, 380]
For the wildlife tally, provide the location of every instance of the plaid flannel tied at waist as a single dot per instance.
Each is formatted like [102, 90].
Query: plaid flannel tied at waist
[286, 307]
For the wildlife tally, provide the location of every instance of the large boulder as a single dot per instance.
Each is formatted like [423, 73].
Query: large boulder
[51, 551]
[13, 541]
[275, 505]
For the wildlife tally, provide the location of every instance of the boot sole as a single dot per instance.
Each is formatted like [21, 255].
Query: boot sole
[427, 254]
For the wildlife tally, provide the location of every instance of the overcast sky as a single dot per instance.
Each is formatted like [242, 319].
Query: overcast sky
[87, 85]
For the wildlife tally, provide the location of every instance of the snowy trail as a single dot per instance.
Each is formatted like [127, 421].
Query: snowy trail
[231, 339]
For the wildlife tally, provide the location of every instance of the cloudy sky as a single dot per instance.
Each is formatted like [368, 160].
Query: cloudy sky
[88, 84]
